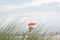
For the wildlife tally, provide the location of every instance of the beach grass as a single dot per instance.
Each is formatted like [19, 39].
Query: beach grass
[10, 32]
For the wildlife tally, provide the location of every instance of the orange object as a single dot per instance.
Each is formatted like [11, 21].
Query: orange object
[31, 24]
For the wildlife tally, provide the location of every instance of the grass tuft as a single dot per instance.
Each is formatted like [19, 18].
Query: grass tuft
[9, 32]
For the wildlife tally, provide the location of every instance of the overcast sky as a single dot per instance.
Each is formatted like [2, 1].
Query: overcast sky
[48, 10]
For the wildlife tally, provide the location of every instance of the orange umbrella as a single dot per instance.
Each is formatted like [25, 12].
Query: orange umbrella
[31, 25]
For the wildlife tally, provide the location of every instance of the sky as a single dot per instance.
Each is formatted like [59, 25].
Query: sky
[48, 11]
